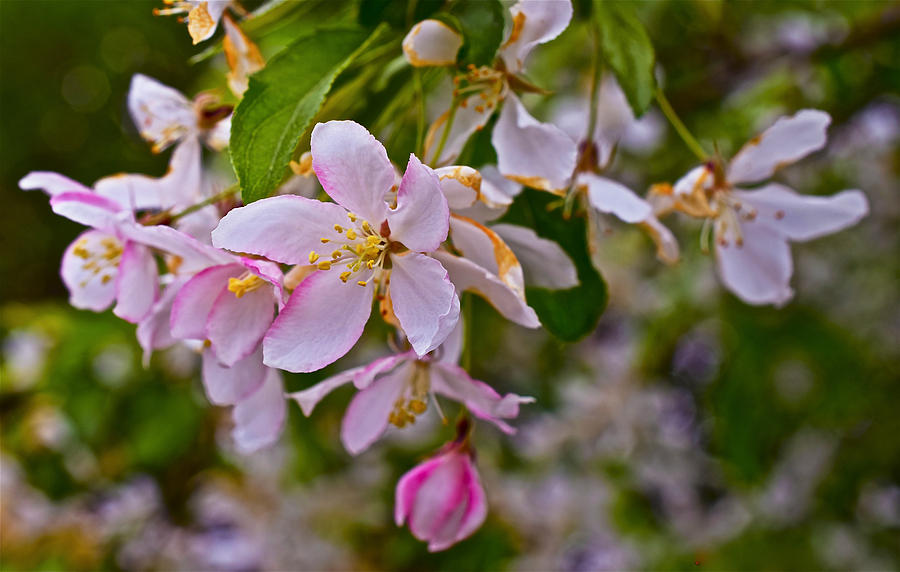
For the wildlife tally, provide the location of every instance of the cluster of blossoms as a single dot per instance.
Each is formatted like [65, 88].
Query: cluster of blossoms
[288, 282]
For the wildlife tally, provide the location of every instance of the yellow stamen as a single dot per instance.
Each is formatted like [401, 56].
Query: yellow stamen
[248, 283]
[313, 257]
[351, 234]
[324, 265]
[338, 228]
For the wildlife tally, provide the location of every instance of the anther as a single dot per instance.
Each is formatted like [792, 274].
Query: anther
[313, 256]
[338, 228]
[324, 265]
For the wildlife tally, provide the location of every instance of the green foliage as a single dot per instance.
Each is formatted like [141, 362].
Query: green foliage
[481, 24]
[396, 13]
[626, 49]
[567, 314]
[281, 102]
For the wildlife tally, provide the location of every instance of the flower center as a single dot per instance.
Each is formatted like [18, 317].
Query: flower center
[101, 257]
[359, 247]
[729, 213]
[248, 282]
[414, 400]
[488, 83]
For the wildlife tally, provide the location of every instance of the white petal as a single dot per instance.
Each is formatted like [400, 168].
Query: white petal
[802, 217]
[309, 398]
[788, 140]
[497, 193]
[431, 43]
[162, 114]
[534, 22]
[759, 270]
[608, 196]
[461, 185]
[544, 263]
[420, 220]
[697, 179]
[51, 183]
[535, 154]
[137, 285]
[485, 248]
[466, 275]
[91, 286]
[667, 250]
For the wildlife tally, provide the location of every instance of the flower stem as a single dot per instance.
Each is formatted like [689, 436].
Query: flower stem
[466, 359]
[420, 119]
[679, 126]
[595, 82]
[206, 202]
[446, 134]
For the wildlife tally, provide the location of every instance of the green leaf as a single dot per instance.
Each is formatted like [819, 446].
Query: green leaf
[282, 100]
[396, 13]
[627, 51]
[567, 314]
[481, 24]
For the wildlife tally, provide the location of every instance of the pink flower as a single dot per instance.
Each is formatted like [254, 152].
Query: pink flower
[395, 389]
[442, 499]
[363, 246]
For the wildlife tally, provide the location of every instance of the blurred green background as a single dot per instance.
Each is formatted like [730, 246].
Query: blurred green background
[688, 432]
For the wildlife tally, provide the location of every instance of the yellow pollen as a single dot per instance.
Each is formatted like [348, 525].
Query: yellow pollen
[362, 282]
[352, 218]
[324, 265]
[338, 228]
[313, 257]
[345, 276]
[417, 406]
[336, 254]
[366, 226]
[248, 283]
[351, 234]
[325, 240]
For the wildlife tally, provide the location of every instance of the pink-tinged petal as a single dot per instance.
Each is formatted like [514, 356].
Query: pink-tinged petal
[476, 509]
[408, 487]
[153, 331]
[309, 398]
[803, 217]
[217, 138]
[367, 415]
[88, 209]
[758, 271]
[534, 22]
[423, 300]
[461, 185]
[544, 263]
[431, 43]
[452, 381]
[614, 117]
[366, 375]
[538, 155]
[786, 141]
[181, 187]
[667, 250]
[161, 114]
[321, 321]
[420, 220]
[466, 275]
[271, 273]
[485, 248]
[440, 503]
[194, 302]
[466, 121]
[352, 167]
[51, 183]
[236, 326]
[284, 229]
[229, 385]
[608, 196]
[259, 419]
[193, 254]
[138, 283]
[451, 349]
[88, 273]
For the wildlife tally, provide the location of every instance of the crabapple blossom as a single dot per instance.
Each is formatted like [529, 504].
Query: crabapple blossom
[202, 15]
[753, 227]
[442, 499]
[528, 151]
[394, 390]
[375, 233]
